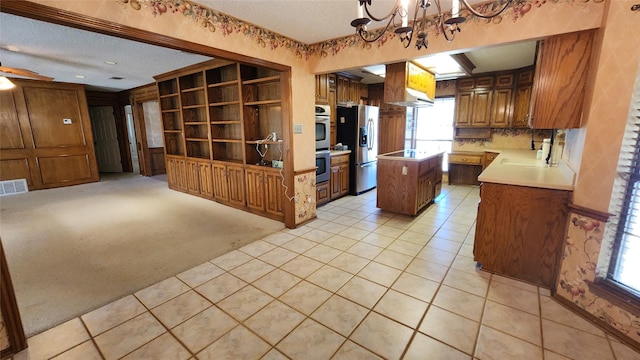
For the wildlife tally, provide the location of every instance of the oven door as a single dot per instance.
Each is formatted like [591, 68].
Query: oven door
[323, 139]
[323, 166]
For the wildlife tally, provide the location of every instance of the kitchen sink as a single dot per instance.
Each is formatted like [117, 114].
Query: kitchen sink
[524, 162]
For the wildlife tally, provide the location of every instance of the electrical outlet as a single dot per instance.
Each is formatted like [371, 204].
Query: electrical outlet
[67, 121]
[297, 128]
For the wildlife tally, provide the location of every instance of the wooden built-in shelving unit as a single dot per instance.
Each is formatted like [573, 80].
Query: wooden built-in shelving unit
[217, 120]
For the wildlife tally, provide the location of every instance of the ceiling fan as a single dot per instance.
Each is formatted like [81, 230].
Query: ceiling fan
[24, 72]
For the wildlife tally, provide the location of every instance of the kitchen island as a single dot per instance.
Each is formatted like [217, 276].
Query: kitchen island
[522, 216]
[408, 180]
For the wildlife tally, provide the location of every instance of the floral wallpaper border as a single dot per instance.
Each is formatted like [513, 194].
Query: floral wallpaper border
[581, 251]
[215, 21]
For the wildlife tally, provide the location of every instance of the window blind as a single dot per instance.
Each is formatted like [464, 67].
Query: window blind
[623, 260]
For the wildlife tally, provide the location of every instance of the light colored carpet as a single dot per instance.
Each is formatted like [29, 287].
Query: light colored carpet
[71, 250]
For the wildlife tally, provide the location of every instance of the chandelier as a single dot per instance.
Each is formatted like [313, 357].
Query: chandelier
[448, 23]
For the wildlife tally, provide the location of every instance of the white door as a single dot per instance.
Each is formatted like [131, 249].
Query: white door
[105, 137]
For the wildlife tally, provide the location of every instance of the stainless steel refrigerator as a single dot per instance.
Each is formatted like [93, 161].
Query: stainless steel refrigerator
[358, 129]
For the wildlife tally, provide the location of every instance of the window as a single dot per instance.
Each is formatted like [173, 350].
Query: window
[623, 265]
[433, 128]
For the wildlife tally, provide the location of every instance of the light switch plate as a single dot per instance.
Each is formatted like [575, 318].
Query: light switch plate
[297, 128]
[66, 121]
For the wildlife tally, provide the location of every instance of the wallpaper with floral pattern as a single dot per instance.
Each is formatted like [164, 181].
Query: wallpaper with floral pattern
[305, 195]
[216, 21]
[581, 251]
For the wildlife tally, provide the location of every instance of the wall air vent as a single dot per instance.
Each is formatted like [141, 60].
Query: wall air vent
[12, 187]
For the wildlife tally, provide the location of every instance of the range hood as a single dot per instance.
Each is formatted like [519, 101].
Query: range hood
[408, 84]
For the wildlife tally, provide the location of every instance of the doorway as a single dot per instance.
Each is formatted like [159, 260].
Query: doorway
[105, 138]
[131, 134]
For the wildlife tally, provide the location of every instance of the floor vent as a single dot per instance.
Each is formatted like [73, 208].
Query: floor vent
[11, 187]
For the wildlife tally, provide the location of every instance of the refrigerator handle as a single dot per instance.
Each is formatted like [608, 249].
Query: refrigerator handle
[372, 134]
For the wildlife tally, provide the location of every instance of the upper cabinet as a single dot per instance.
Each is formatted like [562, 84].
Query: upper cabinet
[560, 80]
[522, 98]
[322, 89]
[473, 102]
[347, 89]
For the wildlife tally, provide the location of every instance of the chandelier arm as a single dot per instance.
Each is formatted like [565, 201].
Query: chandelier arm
[448, 35]
[484, 16]
[363, 33]
[390, 14]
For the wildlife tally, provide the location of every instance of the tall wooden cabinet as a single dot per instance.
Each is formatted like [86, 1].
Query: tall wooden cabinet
[561, 79]
[218, 119]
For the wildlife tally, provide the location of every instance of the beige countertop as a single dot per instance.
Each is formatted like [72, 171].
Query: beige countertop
[520, 167]
[409, 155]
[340, 152]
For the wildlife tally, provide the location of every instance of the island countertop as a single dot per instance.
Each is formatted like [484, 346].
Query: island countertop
[409, 155]
[520, 167]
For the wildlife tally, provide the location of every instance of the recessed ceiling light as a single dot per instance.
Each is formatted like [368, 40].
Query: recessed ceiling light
[108, 62]
[80, 76]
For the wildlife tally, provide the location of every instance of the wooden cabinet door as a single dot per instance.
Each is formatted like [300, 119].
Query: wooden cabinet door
[481, 108]
[344, 179]
[255, 189]
[501, 108]
[220, 185]
[354, 91]
[193, 177]
[273, 193]
[206, 179]
[342, 89]
[235, 178]
[376, 94]
[560, 80]
[335, 182]
[322, 193]
[521, 107]
[464, 101]
[322, 89]
[425, 190]
[181, 167]
[333, 117]
[172, 173]
[391, 127]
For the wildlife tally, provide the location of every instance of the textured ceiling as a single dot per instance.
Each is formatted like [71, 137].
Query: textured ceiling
[64, 53]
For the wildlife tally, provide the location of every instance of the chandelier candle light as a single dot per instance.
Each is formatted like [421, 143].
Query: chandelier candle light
[447, 23]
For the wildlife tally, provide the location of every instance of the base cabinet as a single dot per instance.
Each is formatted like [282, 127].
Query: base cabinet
[199, 178]
[339, 182]
[264, 190]
[228, 183]
[520, 232]
[177, 173]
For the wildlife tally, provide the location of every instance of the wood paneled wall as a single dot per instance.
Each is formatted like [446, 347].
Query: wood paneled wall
[37, 143]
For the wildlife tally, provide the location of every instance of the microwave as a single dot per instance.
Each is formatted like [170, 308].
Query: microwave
[323, 127]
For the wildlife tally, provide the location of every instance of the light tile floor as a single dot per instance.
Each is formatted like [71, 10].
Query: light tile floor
[356, 283]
